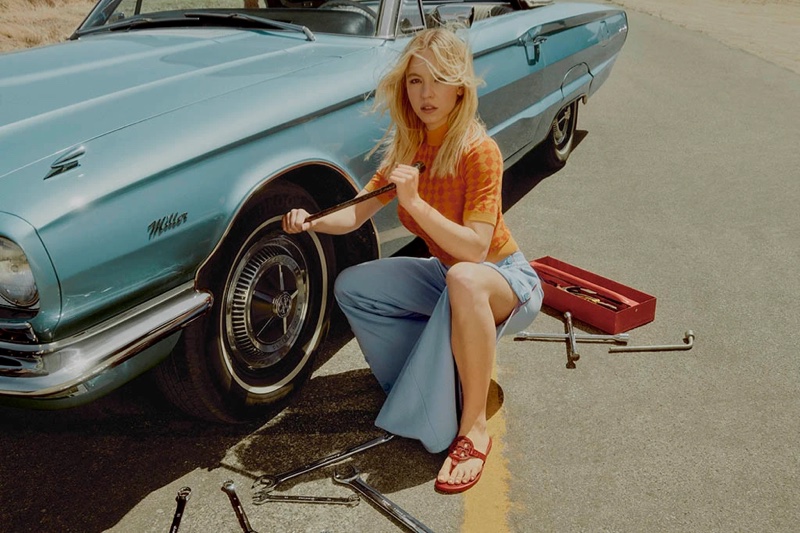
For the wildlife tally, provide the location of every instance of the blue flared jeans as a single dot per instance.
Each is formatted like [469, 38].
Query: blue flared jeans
[399, 311]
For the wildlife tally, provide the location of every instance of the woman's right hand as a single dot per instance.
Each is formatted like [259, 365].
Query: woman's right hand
[295, 221]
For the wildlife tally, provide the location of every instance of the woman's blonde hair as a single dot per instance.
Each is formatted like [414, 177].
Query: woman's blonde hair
[452, 65]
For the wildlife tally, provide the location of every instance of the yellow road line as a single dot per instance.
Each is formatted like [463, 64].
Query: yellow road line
[486, 505]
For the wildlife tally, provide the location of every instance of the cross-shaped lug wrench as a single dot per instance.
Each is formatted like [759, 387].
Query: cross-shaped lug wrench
[623, 338]
[267, 483]
[688, 342]
[572, 352]
[349, 475]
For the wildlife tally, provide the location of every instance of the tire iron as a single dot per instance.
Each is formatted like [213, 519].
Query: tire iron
[572, 352]
[623, 338]
[688, 342]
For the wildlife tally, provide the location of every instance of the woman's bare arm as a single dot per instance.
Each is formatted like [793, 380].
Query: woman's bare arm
[336, 223]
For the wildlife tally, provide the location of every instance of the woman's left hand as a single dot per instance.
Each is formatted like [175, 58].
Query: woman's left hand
[406, 178]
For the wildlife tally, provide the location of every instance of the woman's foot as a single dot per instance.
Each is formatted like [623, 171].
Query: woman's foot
[464, 463]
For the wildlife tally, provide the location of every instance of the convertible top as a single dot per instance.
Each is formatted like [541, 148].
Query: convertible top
[529, 4]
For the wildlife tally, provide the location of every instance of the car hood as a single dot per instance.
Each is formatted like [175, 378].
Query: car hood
[56, 97]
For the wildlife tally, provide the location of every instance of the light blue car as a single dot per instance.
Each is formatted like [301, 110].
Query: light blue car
[146, 162]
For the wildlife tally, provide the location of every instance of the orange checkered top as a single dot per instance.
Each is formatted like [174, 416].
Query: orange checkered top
[473, 194]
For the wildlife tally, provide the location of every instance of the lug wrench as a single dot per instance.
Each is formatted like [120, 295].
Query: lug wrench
[181, 498]
[350, 501]
[364, 197]
[688, 342]
[267, 483]
[349, 475]
[572, 352]
[230, 489]
[579, 337]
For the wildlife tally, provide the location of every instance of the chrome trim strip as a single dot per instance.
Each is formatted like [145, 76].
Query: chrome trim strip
[387, 19]
[77, 359]
[551, 28]
[16, 329]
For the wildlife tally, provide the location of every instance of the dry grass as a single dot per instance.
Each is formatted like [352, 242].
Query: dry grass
[26, 23]
[767, 28]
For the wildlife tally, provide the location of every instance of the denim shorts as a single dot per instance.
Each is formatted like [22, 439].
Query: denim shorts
[525, 283]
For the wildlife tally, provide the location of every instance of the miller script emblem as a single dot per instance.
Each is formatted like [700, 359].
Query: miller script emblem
[157, 227]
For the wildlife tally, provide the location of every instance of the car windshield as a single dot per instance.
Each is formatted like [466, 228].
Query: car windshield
[307, 17]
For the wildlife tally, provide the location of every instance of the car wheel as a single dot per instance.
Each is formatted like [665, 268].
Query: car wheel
[272, 294]
[559, 143]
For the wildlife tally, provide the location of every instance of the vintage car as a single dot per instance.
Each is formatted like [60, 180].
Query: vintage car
[145, 164]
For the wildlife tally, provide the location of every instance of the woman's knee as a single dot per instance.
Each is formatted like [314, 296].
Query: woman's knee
[345, 285]
[463, 282]
[358, 281]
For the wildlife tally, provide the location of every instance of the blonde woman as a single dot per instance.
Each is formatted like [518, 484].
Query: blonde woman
[415, 318]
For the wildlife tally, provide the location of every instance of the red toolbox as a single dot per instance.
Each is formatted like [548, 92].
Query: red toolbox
[600, 302]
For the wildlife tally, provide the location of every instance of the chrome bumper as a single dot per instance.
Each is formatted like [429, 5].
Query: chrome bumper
[58, 369]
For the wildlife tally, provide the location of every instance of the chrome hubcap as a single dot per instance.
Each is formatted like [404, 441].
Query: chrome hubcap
[267, 303]
[561, 126]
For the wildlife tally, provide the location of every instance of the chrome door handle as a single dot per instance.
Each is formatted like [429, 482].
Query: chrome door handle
[532, 46]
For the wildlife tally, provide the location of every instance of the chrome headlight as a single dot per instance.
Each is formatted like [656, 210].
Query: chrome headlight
[17, 286]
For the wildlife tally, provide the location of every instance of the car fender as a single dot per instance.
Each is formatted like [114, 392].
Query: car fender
[338, 186]
[174, 220]
[188, 190]
[26, 237]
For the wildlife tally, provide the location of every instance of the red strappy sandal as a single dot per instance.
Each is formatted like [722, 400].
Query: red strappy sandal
[461, 450]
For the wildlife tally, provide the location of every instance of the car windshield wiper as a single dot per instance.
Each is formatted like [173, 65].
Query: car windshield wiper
[229, 19]
[133, 23]
[260, 21]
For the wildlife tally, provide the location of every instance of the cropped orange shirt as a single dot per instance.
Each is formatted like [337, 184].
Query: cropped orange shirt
[473, 194]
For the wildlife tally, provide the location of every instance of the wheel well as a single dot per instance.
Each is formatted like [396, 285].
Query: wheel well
[328, 186]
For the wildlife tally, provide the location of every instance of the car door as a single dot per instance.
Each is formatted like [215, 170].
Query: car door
[534, 63]
[511, 57]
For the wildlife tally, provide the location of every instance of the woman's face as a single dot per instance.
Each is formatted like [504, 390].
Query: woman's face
[431, 99]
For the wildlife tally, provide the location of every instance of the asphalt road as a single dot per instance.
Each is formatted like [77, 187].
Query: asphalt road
[685, 186]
